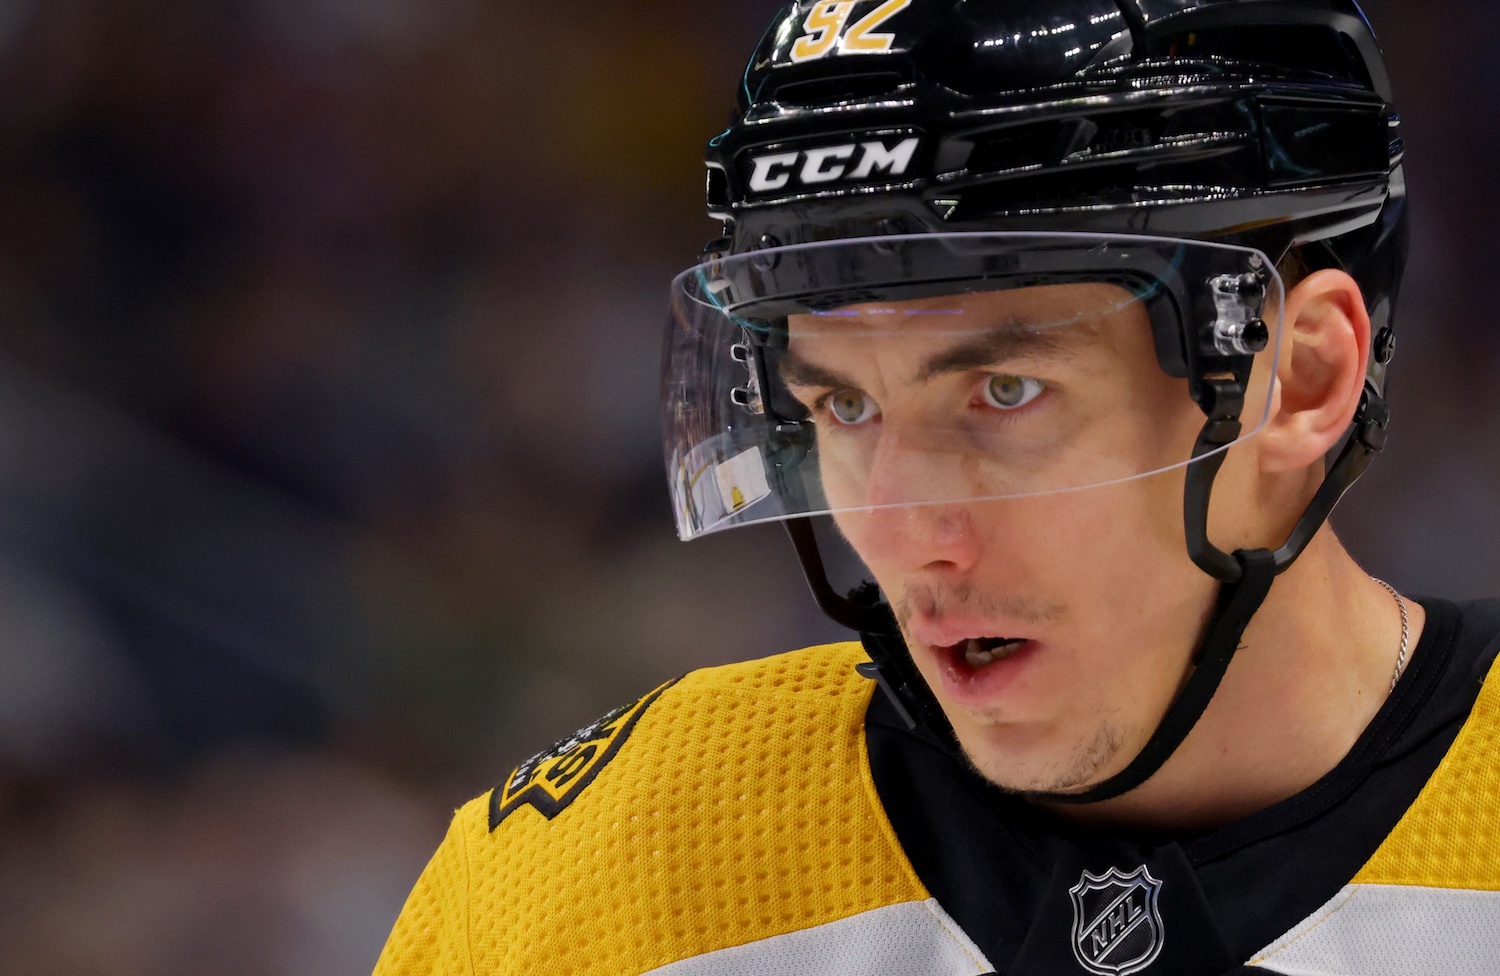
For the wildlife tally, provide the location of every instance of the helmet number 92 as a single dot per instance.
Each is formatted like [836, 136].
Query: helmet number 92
[824, 30]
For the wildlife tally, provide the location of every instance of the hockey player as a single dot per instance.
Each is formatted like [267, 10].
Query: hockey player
[1071, 318]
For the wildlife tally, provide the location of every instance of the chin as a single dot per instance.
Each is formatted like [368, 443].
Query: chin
[1022, 760]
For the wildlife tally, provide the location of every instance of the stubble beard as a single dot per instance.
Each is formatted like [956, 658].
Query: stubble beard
[1067, 774]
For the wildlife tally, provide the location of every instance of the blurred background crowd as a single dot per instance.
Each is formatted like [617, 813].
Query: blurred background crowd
[330, 484]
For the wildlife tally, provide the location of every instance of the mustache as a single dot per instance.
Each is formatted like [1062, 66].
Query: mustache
[967, 599]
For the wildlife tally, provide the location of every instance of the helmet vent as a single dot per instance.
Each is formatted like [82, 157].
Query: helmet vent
[1017, 147]
[1153, 131]
[842, 88]
[1124, 184]
[1315, 48]
[718, 188]
[1311, 144]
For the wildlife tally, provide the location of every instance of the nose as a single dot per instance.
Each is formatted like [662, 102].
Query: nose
[919, 515]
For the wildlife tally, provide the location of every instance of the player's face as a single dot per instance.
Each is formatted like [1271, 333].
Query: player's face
[1053, 628]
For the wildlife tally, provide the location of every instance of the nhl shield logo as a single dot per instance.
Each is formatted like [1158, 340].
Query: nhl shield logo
[1116, 926]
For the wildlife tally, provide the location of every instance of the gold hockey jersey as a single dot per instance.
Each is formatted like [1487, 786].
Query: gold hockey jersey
[727, 824]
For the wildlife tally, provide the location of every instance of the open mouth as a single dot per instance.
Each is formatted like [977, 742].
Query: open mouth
[979, 652]
[977, 671]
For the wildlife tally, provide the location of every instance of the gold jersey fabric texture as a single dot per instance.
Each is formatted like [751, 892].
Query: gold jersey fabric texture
[1450, 838]
[741, 808]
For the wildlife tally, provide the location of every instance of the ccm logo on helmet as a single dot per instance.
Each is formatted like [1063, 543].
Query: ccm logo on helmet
[829, 164]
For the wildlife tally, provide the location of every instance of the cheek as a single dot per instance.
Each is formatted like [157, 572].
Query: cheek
[1116, 556]
[1108, 533]
[1160, 597]
[843, 472]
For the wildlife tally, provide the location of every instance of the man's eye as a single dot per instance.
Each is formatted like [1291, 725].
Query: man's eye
[851, 407]
[1009, 392]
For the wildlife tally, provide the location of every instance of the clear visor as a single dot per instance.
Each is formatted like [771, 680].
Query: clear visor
[943, 369]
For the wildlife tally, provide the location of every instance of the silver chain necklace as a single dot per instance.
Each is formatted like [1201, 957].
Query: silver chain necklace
[1405, 631]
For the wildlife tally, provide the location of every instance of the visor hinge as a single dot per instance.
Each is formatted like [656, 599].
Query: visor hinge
[747, 396]
[1239, 300]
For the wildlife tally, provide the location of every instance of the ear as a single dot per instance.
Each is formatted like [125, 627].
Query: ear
[1324, 350]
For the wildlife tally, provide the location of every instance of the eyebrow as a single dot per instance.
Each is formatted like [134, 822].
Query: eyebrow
[796, 371]
[992, 347]
[1004, 342]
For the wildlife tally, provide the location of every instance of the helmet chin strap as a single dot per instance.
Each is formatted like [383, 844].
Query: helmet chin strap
[1245, 578]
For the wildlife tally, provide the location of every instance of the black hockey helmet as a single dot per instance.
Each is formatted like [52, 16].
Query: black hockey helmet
[1181, 150]
[1267, 123]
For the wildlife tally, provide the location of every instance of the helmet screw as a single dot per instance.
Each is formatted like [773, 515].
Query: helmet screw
[1256, 335]
[765, 262]
[889, 226]
[1385, 346]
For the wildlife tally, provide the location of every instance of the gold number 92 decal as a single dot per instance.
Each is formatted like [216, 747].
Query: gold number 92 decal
[824, 29]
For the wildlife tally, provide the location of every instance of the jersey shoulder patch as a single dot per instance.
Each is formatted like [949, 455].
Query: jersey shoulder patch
[553, 778]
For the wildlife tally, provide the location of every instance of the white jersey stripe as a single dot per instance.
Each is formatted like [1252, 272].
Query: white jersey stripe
[914, 938]
[1393, 930]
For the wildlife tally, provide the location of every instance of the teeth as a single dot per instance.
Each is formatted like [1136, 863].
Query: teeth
[978, 654]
